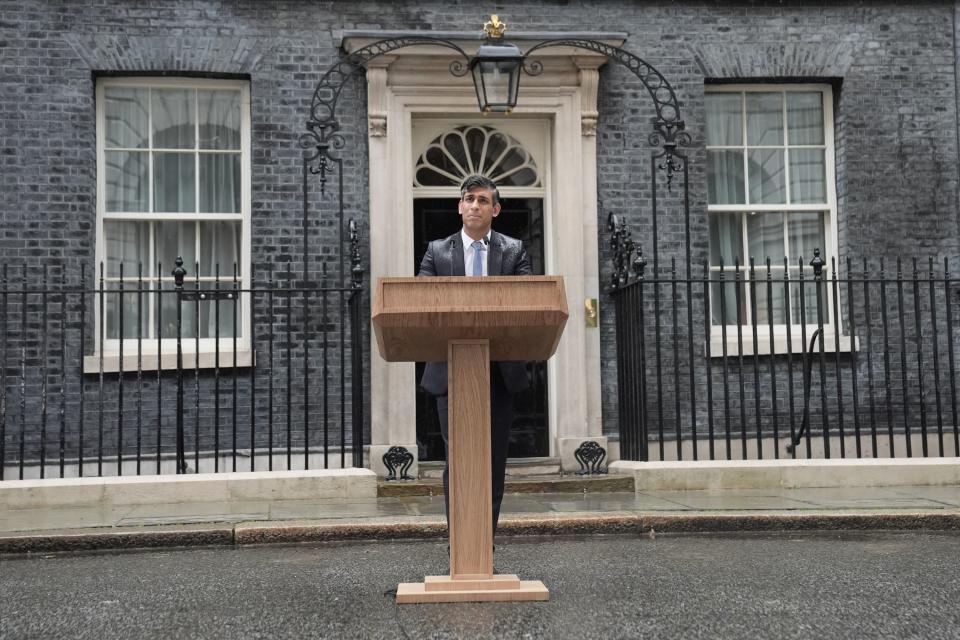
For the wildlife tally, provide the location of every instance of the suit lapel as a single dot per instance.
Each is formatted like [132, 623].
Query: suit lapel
[456, 256]
[495, 259]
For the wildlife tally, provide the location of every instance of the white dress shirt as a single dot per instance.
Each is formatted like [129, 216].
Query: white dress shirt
[468, 252]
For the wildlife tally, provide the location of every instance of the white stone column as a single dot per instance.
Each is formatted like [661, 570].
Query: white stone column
[591, 426]
[568, 384]
[392, 407]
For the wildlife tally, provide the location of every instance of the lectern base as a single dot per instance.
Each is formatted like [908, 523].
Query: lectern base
[499, 588]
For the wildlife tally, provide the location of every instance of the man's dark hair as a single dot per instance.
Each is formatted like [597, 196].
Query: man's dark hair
[476, 180]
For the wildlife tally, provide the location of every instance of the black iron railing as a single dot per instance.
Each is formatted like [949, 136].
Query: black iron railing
[118, 375]
[797, 359]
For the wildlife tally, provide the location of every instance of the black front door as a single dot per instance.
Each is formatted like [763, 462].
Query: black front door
[522, 218]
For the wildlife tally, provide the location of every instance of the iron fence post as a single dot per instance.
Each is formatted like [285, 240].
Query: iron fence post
[178, 275]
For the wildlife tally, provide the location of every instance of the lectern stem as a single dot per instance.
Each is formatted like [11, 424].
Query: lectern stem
[471, 517]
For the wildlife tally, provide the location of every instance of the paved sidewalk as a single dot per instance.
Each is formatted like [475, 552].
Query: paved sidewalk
[648, 513]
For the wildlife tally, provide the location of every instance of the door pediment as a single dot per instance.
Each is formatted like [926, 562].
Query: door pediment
[427, 67]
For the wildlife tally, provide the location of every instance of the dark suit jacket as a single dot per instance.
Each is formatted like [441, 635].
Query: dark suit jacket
[445, 258]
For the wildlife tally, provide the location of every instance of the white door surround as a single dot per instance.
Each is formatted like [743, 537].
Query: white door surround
[414, 83]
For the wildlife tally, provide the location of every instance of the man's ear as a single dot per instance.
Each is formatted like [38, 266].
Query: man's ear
[496, 210]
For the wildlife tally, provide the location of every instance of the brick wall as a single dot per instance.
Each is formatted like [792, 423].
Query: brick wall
[895, 66]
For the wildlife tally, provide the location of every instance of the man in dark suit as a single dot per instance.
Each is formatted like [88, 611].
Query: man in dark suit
[477, 250]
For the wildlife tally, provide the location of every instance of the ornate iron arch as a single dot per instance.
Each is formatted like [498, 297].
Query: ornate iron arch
[669, 135]
[322, 137]
[669, 125]
[322, 125]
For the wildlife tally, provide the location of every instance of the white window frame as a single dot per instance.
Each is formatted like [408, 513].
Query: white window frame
[165, 356]
[829, 209]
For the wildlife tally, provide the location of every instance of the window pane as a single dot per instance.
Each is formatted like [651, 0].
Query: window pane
[726, 238]
[437, 158]
[224, 310]
[767, 184]
[453, 144]
[126, 117]
[724, 119]
[428, 177]
[220, 244]
[132, 311]
[770, 304]
[128, 243]
[807, 176]
[219, 119]
[809, 297]
[805, 117]
[764, 118]
[168, 310]
[176, 239]
[220, 183]
[725, 177]
[805, 232]
[723, 299]
[173, 119]
[497, 144]
[127, 188]
[522, 178]
[173, 182]
[765, 236]
[476, 138]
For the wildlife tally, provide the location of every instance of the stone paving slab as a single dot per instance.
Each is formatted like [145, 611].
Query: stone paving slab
[948, 496]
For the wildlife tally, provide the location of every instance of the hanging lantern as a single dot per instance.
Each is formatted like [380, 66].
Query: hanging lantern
[496, 70]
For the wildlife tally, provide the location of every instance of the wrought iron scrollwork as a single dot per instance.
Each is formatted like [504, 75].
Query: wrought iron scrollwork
[670, 137]
[532, 67]
[627, 256]
[397, 457]
[590, 455]
[323, 138]
[356, 266]
[664, 98]
[669, 129]
[322, 135]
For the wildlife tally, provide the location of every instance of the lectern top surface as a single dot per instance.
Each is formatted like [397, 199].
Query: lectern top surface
[447, 293]
[522, 316]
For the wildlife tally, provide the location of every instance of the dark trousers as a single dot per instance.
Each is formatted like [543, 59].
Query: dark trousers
[501, 414]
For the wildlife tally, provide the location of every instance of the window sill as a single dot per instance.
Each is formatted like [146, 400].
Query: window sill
[797, 347]
[166, 361]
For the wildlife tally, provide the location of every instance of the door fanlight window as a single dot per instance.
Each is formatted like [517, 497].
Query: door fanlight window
[475, 149]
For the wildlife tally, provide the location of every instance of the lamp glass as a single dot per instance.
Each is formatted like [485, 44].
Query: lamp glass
[497, 83]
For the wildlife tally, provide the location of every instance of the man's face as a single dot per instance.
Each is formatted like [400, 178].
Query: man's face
[478, 211]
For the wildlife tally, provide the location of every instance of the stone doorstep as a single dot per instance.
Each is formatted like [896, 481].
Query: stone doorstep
[605, 483]
[433, 470]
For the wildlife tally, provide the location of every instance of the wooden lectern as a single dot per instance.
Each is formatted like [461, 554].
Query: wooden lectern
[468, 322]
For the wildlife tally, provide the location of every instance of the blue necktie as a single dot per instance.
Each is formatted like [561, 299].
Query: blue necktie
[478, 250]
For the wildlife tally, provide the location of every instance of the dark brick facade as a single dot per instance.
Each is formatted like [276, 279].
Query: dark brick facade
[893, 67]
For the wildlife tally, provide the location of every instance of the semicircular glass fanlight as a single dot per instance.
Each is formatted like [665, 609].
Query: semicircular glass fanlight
[469, 149]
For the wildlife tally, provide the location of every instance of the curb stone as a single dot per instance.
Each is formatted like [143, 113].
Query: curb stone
[246, 534]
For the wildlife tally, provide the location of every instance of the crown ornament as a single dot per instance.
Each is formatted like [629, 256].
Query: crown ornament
[494, 28]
